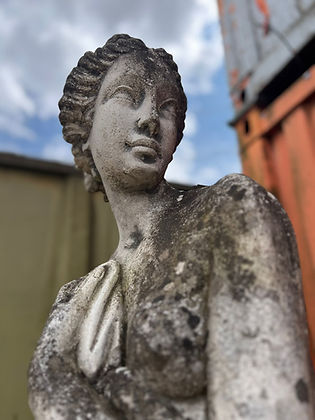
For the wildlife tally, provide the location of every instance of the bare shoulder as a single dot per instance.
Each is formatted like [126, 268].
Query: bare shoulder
[236, 191]
[245, 206]
[239, 190]
[250, 227]
[237, 207]
[246, 224]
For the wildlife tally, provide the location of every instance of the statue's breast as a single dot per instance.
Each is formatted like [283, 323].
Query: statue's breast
[167, 323]
[167, 345]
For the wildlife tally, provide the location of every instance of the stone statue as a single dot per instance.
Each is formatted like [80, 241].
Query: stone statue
[199, 312]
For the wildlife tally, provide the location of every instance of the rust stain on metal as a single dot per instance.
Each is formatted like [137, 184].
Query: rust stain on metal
[220, 7]
[264, 9]
[233, 76]
[232, 8]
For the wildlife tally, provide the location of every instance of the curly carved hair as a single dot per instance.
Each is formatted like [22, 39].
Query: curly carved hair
[81, 90]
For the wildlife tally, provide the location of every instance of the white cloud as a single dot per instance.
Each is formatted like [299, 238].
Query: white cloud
[190, 124]
[181, 167]
[15, 105]
[13, 95]
[16, 128]
[41, 42]
[209, 175]
[200, 56]
[204, 59]
[184, 167]
[58, 150]
[7, 146]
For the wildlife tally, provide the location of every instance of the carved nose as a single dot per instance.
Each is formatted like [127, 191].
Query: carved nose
[149, 124]
[149, 121]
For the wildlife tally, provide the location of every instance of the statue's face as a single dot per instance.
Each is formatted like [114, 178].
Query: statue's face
[134, 130]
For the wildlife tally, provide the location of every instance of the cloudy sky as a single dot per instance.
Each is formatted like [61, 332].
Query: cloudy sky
[41, 40]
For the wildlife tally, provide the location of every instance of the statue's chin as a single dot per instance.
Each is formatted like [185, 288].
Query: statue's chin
[139, 177]
[145, 176]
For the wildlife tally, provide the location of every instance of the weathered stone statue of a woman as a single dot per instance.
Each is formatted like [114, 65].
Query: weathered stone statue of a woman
[199, 312]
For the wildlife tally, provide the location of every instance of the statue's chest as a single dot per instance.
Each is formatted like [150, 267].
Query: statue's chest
[167, 322]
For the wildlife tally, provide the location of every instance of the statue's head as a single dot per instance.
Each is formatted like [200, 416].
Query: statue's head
[123, 111]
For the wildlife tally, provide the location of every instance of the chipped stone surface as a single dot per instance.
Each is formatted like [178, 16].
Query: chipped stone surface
[199, 313]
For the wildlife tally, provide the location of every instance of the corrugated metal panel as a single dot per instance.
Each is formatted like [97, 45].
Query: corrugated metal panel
[272, 63]
[239, 39]
[304, 5]
[52, 231]
[253, 56]
[283, 15]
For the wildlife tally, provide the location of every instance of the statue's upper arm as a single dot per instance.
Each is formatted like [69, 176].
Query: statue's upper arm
[253, 238]
[257, 343]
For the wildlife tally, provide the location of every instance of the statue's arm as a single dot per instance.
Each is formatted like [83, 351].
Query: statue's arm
[258, 361]
[133, 399]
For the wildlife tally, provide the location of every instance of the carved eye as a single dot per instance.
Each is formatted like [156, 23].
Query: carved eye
[168, 108]
[124, 93]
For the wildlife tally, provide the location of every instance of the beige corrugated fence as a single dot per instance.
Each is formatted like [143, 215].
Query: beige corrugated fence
[51, 231]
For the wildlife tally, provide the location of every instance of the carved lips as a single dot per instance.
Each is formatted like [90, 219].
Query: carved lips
[146, 149]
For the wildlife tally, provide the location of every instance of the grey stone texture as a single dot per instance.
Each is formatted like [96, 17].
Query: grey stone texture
[199, 312]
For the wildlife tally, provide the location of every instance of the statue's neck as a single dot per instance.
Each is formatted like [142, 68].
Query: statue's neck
[136, 213]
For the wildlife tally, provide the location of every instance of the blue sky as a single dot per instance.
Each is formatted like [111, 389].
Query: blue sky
[42, 41]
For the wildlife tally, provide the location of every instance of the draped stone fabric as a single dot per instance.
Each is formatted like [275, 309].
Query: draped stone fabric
[100, 336]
